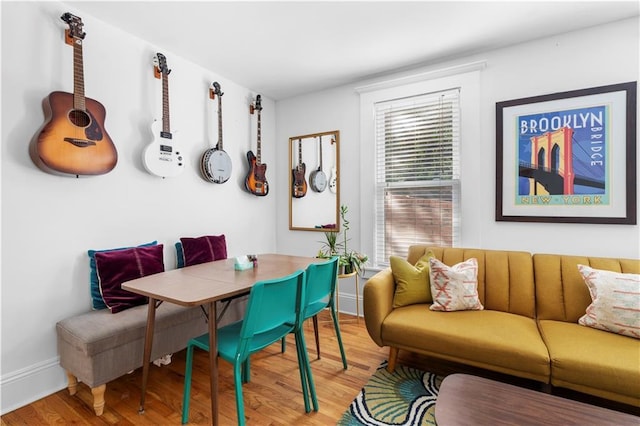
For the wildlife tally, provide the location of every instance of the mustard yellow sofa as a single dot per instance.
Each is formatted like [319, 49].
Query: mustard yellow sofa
[528, 327]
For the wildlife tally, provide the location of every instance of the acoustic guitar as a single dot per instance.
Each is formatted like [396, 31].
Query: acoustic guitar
[256, 180]
[73, 140]
[215, 163]
[163, 156]
[299, 185]
[317, 178]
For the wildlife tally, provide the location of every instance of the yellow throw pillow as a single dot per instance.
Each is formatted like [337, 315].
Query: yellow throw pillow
[412, 282]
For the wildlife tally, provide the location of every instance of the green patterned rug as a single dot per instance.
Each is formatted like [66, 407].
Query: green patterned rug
[405, 397]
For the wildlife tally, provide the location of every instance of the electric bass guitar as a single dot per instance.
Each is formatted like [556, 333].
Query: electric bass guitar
[256, 180]
[299, 185]
[215, 164]
[317, 178]
[73, 140]
[163, 157]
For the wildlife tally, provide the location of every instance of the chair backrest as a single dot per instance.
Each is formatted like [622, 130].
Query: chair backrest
[272, 304]
[321, 281]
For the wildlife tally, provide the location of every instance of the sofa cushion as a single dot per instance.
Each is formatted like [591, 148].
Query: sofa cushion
[454, 288]
[493, 340]
[593, 361]
[96, 297]
[615, 305]
[505, 278]
[560, 291]
[116, 267]
[412, 281]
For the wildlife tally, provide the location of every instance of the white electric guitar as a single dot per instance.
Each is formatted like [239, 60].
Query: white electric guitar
[163, 157]
[333, 181]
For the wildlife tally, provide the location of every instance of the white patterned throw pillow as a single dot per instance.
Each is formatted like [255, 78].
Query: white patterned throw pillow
[615, 305]
[454, 288]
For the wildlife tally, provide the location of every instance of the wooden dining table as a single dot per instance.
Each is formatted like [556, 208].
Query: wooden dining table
[204, 285]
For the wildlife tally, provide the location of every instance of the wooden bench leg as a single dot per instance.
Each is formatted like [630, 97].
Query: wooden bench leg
[98, 398]
[393, 358]
[72, 383]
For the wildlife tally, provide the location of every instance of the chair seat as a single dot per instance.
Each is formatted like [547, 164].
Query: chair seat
[228, 341]
[314, 309]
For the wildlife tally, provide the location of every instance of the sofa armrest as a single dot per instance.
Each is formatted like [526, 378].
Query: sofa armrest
[378, 302]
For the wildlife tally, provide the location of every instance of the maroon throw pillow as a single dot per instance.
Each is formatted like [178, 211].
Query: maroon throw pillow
[203, 249]
[115, 267]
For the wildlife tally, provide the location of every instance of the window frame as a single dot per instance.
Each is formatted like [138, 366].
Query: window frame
[466, 78]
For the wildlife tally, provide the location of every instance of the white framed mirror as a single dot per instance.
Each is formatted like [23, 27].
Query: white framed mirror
[314, 182]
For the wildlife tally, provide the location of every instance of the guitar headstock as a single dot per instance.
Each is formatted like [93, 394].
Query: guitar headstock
[160, 64]
[257, 106]
[215, 89]
[74, 32]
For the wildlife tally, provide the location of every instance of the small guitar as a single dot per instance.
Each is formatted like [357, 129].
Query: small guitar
[163, 157]
[317, 178]
[299, 186]
[73, 140]
[333, 181]
[256, 180]
[215, 163]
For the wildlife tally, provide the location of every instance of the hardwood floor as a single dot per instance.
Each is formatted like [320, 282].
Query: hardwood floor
[273, 397]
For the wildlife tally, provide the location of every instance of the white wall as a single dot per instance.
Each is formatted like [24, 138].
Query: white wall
[598, 56]
[49, 222]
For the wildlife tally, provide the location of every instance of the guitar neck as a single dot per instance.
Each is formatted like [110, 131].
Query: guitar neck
[258, 152]
[220, 122]
[299, 153]
[166, 124]
[78, 76]
[320, 143]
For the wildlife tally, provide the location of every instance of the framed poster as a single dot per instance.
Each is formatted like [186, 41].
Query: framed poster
[568, 157]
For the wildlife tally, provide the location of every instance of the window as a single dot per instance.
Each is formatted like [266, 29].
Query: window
[417, 183]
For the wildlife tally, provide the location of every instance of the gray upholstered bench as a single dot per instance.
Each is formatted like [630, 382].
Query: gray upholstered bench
[98, 346]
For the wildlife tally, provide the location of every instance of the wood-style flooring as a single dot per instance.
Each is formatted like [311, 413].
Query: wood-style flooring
[273, 396]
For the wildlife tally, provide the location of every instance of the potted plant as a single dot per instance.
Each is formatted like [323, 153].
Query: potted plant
[350, 260]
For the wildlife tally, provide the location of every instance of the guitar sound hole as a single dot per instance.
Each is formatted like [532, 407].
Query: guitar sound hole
[79, 118]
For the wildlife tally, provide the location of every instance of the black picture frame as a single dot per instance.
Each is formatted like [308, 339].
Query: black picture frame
[568, 157]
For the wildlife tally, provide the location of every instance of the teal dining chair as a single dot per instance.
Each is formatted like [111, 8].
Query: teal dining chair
[274, 309]
[320, 293]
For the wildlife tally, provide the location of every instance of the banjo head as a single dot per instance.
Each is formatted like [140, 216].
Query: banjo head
[216, 166]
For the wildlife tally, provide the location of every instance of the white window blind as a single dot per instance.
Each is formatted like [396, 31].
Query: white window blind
[417, 173]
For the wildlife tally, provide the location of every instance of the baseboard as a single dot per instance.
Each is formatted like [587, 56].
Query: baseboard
[348, 304]
[30, 384]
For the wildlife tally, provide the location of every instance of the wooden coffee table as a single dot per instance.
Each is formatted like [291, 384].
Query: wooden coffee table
[469, 400]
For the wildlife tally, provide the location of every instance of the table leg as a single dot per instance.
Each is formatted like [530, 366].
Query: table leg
[213, 361]
[146, 358]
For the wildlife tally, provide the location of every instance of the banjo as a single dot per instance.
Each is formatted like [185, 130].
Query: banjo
[317, 178]
[215, 163]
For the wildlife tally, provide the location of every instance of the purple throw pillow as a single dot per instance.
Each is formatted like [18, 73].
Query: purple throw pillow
[203, 249]
[116, 267]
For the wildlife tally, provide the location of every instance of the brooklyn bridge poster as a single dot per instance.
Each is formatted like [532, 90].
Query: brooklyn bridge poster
[568, 157]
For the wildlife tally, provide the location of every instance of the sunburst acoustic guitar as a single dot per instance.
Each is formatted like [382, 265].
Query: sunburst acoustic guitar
[73, 141]
[256, 180]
